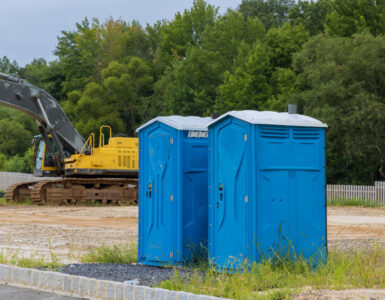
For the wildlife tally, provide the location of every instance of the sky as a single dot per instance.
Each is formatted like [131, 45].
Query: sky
[29, 29]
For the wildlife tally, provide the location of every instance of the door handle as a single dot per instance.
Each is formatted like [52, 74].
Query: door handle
[149, 188]
[220, 188]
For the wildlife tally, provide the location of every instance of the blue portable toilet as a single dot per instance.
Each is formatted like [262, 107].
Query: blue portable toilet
[266, 187]
[173, 170]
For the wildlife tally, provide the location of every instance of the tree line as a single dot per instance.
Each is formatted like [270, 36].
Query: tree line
[327, 56]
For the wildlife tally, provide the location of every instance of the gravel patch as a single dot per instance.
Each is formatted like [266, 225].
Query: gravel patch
[352, 294]
[361, 245]
[144, 275]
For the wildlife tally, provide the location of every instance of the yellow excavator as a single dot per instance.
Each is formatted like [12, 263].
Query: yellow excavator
[85, 173]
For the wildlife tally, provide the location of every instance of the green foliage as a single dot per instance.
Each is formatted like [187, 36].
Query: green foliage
[114, 101]
[17, 163]
[3, 159]
[311, 15]
[16, 132]
[34, 260]
[15, 139]
[189, 86]
[347, 92]
[272, 13]
[354, 16]
[284, 84]
[186, 30]
[89, 110]
[283, 42]
[199, 62]
[272, 280]
[6, 66]
[124, 254]
[248, 87]
[48, 76]
[228, 32]
[353, 202]
[77, 52]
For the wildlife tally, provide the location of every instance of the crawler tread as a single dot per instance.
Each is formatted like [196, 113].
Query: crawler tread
[48, 192]
[12, 193]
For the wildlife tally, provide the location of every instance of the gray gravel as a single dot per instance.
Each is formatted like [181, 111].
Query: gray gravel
[145, 275]
[361, 245]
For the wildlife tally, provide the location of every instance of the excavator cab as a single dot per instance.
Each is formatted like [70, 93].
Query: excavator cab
[42, 162]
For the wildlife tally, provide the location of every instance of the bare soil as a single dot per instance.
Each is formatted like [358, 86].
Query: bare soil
[69, 232]
[72, 231]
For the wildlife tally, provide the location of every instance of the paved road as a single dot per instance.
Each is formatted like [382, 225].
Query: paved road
[10, 292]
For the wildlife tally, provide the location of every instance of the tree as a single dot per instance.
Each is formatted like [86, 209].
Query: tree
[88, 110]
[19, 163]
[284, 86]
[272, 13]
[347, 92]
[6, 66]
[186, 30]
[114, 101]
[14, 138]
[355, 16]
[49, 77]
[283, 42]
[78, 52]
[127, 84]
[189, 86]
[228, 32]
[248, 87]
[311, 15]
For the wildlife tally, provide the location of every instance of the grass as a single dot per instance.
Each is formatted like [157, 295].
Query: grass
[277, 279]
[2, 200]
[353, 202]
[124, 254]
[32, 261]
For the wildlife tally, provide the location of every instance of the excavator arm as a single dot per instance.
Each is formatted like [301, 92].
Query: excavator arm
[19, 94]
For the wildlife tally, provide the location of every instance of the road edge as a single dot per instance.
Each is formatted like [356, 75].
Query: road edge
[84, 287]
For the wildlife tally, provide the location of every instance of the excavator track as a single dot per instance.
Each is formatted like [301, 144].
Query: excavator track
[19, 192]
[76, 191]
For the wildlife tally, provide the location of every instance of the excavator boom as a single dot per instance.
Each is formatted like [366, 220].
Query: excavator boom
[21, 95]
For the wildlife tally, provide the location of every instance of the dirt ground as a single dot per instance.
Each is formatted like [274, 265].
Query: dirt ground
[68, 232]
[72, 231]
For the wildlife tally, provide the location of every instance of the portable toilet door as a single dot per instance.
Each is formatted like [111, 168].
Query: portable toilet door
[168, 215]
[158, 151]
[229, 188]
[266, 187]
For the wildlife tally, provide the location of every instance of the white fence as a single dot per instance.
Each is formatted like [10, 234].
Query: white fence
[369, 193]
[9, 178]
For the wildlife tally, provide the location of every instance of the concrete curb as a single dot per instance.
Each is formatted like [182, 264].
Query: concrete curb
[78, 286]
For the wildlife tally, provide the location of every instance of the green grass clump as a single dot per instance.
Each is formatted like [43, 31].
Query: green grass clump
[123, 254]
[32, 261]
[2, 200]
[277, 279]
[353, 202]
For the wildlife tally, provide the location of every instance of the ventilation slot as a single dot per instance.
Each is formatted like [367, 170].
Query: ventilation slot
[128, 162]
[274, 132]
[304, 133]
